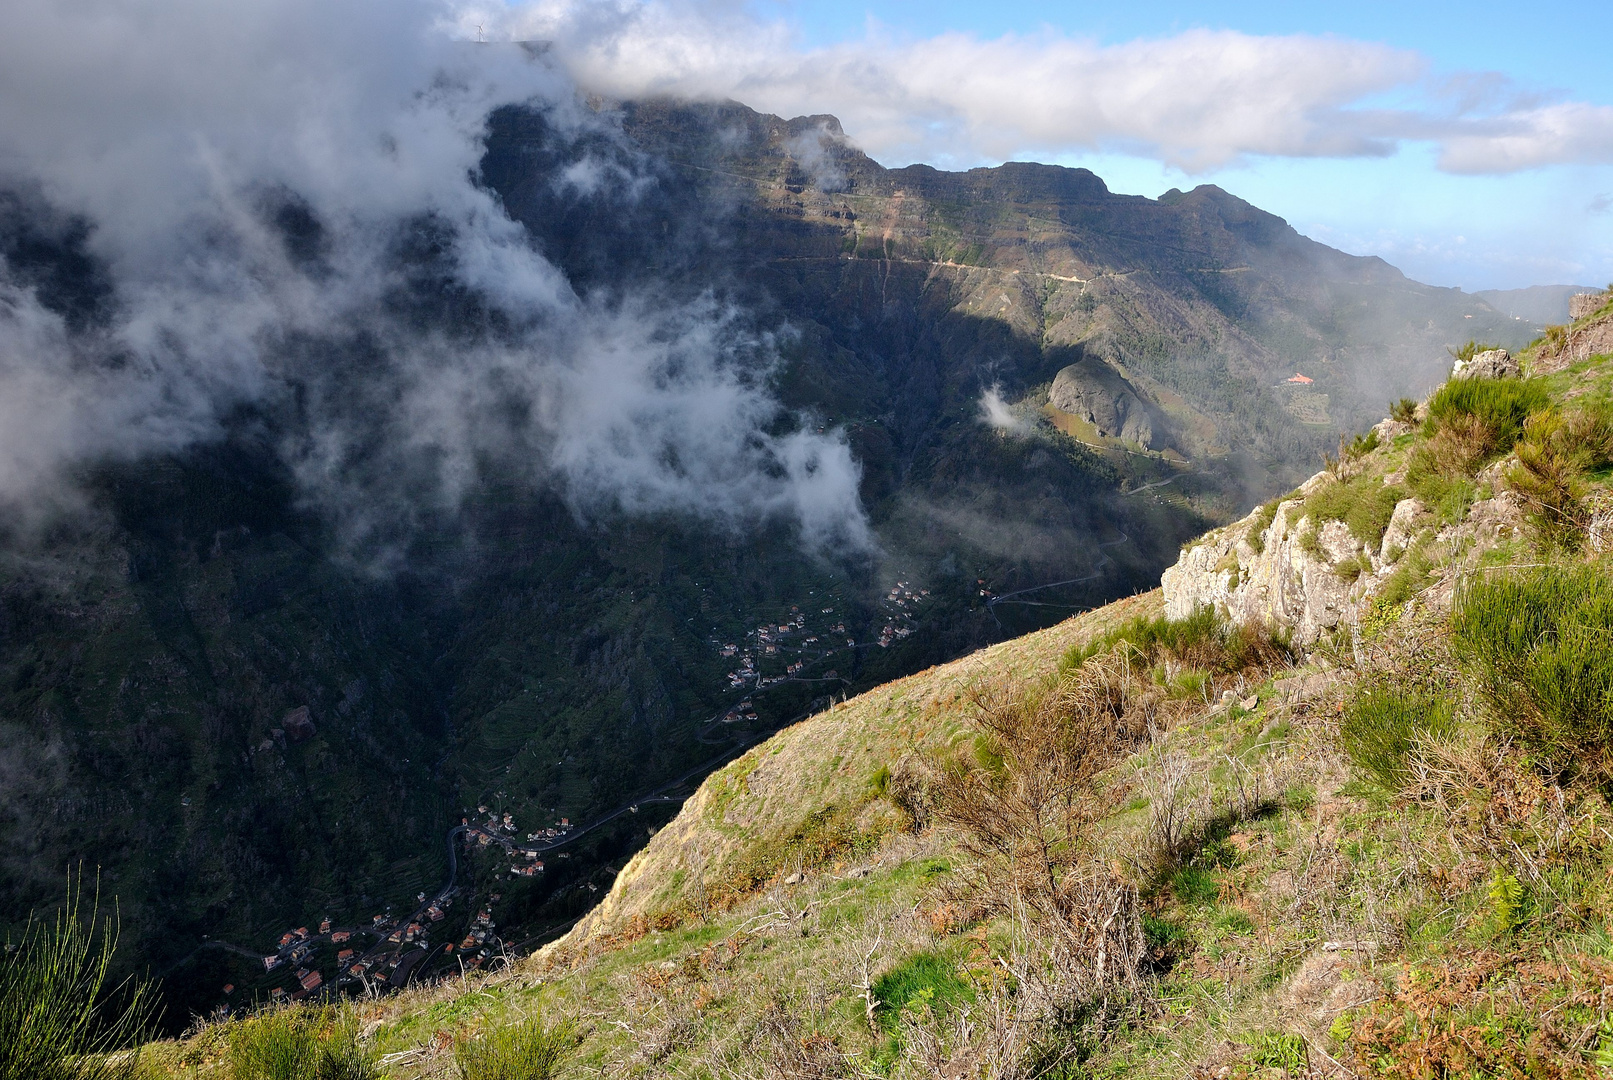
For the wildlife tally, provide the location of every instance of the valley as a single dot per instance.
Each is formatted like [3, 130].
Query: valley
[549, 657]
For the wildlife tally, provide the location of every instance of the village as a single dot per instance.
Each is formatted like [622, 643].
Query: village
[322, 963]
[800, 646]
[391, 951]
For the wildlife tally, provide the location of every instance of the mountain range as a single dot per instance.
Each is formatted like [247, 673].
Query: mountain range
[1047, 387]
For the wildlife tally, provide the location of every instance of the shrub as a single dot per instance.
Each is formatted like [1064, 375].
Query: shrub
[1489, 412]
[1382, 726]
[300, 1044]
[59, 1019]
[521, 1051]
[1541, 645]
[1403, 411]
[1365, 504]
[1555, 456]
[1200, 641]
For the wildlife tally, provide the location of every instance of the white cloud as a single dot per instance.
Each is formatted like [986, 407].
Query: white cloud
[178, 129]
[1198, 101]
[996, 413]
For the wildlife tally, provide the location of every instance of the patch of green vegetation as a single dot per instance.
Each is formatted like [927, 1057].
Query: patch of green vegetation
[305, 1044]
[1365, 504]
[1556, 458]
[924, 980]
[1201, 641]
[1403, 411]
[1162, 933]
[59, 1013]
[1263, 519]
[1383, 724]
[524, 1050]
[1279, 1050]
[1539, 644]
[1501, 406]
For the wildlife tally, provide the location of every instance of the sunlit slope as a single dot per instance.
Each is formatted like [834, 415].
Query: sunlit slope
[811, 794]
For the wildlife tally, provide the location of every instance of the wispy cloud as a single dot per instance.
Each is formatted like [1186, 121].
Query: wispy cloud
[275, 191]
[1199, 100]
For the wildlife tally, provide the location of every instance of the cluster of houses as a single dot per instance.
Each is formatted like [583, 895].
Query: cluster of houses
[901, 597]
[481, 928]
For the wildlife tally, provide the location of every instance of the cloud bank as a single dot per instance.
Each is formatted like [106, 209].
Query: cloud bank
[273, 209]
[1199, 100]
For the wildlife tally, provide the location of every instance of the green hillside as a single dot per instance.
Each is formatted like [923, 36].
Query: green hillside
[1148, 846]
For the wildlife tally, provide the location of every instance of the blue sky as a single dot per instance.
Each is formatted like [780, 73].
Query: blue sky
[1469, 144]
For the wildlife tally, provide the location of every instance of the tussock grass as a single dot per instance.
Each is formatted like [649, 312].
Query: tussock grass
[1365, 504]
[525, 1050]
[1499, 407]
[300, 1044]
[1555, 458]
[60, 1018]
[1201, 640]
[1541, 646]
[1384, 724]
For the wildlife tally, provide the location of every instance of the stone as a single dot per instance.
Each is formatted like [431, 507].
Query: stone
[1599, 533]
[1093, 391]
[298, 724]
[795, 878]
[1283, 585]
[1490, 364]
[1584, 304]
[1403, 525]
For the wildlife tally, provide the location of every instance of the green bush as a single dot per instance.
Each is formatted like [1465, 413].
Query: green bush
[522, 1051]
[1404, 411]
[923, 980]
[1201, 641]
[1501, 406]
[300, 1044]
[1365, 504]
[1541, 645]
[1383, 724]
[1556, 456]
[59, 1018]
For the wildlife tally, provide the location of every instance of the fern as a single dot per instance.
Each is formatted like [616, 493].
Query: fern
[1507, 896]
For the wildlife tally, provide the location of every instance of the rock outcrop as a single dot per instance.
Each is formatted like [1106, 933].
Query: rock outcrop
[1490, 364]
[1096, 393]
[1279, 568]
[1279, 571]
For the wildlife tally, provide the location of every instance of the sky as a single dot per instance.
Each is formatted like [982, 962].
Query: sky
[1469, 144]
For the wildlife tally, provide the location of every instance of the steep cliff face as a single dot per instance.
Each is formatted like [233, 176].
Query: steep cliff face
[1297, 565]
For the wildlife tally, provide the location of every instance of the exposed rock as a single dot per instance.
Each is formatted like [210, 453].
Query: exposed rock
[1390, 429]
[1403, 525]
[1490, 364]
[1583, 304]
[298, 724]
[1290, 583]
[1599, 533]
[1096, 393]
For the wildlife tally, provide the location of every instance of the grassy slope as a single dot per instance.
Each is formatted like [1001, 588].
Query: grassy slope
[1312, 921]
